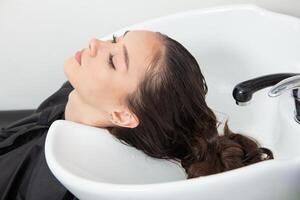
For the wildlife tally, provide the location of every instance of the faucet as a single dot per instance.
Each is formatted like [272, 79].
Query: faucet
[292, 83]
[242, 92]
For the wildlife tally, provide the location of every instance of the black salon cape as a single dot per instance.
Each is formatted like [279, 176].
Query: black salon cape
[24, 173]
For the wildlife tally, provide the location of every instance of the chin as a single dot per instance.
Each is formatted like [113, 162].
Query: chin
[69, 68]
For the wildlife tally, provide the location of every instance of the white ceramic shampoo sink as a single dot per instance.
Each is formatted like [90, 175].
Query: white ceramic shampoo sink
[113, 162]
[232, 44]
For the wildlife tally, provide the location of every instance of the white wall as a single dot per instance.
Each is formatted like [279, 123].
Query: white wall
[38, 35]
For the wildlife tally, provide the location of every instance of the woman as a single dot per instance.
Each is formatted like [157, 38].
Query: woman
[148, 91]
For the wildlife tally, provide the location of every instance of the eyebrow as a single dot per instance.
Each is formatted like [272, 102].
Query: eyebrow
[125, 51]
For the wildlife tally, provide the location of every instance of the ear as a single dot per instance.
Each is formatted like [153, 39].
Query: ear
[124, 118]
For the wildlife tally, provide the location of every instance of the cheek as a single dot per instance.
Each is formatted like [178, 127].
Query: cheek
[106, 90]
[95, 84]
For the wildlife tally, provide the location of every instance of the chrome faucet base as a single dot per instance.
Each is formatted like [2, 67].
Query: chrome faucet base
[293, 84]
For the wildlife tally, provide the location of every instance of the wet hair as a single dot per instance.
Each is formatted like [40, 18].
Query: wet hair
[175, 122]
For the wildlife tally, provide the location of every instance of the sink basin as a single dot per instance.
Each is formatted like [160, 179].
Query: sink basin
[232, 43]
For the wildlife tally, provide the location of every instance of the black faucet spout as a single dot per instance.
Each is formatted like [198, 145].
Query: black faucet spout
[242, 92]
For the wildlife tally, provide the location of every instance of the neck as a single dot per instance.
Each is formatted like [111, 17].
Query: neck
[80, 112]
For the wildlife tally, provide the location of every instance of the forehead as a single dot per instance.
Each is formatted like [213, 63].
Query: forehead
[142, 46]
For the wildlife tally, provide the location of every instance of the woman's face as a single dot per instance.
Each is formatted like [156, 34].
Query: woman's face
[96, 83]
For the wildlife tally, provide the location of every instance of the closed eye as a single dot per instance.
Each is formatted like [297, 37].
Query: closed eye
[110, 61]
[110, 58]
[114, 40]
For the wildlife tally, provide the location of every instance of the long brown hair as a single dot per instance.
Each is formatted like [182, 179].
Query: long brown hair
[177, 124]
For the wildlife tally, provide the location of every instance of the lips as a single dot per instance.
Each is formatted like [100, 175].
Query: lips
[78, 56]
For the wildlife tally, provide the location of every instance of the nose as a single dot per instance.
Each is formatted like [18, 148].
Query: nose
[94, 45]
